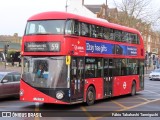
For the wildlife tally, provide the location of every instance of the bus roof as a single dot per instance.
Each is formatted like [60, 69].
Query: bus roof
[64, 15]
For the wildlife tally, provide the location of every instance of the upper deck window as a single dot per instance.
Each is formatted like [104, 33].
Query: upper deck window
[108, 34]
[117, 34]
[133, 38]
[45, 27]
[125, 36]
[85, 29]
[96, 31]
[72, 27]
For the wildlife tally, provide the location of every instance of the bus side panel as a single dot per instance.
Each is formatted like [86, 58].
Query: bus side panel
[123, 84]
[33, 95]
[98, 84]
[76, 46]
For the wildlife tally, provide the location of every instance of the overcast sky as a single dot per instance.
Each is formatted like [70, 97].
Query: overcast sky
[14, 13]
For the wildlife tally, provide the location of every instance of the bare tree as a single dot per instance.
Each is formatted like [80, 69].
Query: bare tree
[156, 23]
[135, 13]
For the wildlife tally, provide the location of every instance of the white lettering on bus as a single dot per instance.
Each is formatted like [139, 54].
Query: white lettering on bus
[35, 46]
[38, 99]
[103, 48]
[90, 47]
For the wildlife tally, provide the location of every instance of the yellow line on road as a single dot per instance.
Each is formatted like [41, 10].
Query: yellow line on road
[129, 102]
[105, 106]
[143, 98]
[127, 108]
[88, 114]
[152, 92]
[36, 110]
[117, 103]
[142, 104]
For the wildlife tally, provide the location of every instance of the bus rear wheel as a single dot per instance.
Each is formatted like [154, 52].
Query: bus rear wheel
[90, 98]
[133, 89]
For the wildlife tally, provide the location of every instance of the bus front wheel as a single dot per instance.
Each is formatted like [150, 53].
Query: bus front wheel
[133, 89]
[90, 98]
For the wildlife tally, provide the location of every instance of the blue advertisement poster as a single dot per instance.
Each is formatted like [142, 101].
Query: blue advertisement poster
[107, 48]
[97, 47]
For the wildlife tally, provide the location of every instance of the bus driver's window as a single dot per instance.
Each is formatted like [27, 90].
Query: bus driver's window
[41, 69]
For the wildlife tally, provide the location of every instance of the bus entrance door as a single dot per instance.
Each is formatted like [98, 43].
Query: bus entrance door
[108, 87]
[77, 81]
[108, 78]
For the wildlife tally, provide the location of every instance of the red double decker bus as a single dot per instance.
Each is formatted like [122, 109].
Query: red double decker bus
[68, 59]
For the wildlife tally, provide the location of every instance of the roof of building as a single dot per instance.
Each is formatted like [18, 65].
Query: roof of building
[93, 8]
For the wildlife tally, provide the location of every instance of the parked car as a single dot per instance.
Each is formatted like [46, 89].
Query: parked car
[155, 75]
[9, 84]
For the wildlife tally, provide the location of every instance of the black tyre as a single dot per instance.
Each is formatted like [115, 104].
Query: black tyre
[133, 89]
[90, 96]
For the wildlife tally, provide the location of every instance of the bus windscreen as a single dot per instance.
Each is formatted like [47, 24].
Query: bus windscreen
[45, 27]
[49, 72]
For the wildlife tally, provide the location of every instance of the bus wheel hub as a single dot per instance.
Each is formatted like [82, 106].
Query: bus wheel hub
[90, 95]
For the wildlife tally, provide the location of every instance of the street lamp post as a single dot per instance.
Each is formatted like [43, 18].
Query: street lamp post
[66, 4]
[6, 46]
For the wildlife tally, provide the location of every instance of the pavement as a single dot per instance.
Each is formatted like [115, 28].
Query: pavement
[9, 68]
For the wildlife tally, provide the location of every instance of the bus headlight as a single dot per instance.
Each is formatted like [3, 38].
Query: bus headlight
[59, 95]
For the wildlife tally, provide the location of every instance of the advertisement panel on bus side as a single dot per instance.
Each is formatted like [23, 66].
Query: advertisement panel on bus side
[107, 48]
